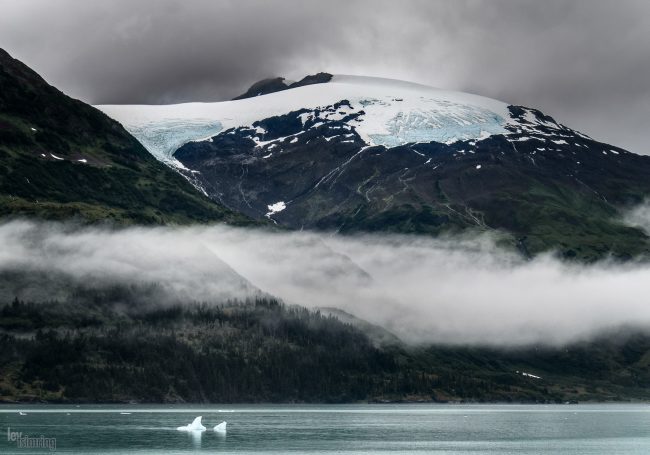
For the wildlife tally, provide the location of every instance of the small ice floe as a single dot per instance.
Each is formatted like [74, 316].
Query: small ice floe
[33, 129]
[221, 428]
[22, 413]
[83, 160]
[478, 166]
[125, 413]
[55, 157]
[614, 152]
[194, 426]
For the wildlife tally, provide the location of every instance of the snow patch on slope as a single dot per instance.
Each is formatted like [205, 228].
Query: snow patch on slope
[275, 208]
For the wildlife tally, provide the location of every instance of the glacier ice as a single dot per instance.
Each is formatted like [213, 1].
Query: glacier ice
[447, 122]
[394, 113]
[196, 425]
[163, 138]
[220, 428]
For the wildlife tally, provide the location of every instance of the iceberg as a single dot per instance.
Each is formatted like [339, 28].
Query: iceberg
[194, 426]
[221, 428]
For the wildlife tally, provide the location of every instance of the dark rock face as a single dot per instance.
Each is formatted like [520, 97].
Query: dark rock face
[546, 185]
[263, 87]
[277, 84]
[319, 78]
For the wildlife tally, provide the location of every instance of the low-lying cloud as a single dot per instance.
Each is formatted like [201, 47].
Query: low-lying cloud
[453, 290]
[639, 217]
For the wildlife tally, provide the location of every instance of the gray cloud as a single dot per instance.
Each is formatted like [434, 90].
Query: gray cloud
[585, 62]
[454, 290]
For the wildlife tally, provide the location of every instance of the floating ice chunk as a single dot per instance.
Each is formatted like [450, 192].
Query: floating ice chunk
[194, 426]
[478, 166]
[55, 157]
[33, 129]
[221, 428]
[83, 160]
[22, 413]
[125, 413]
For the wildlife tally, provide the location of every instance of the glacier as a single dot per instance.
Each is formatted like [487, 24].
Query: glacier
[393, 113]
[448, 123]
[162, 139]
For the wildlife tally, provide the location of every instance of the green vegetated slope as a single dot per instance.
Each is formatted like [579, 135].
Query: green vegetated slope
[61, 158]
[88, 350]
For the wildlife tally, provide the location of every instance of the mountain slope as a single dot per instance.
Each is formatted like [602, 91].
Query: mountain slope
[263, 351]
[365, 154]
[61, 158]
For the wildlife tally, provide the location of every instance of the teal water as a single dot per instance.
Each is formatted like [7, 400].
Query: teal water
[353, 429]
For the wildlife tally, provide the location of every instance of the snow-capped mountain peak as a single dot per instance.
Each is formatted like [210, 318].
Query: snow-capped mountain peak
[382, 111]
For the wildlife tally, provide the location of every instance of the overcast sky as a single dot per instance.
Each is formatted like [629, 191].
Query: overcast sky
[585, 62]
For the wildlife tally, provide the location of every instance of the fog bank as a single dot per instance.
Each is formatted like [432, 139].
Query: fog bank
[450, 290]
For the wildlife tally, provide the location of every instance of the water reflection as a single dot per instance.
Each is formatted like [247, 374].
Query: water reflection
[195, 437]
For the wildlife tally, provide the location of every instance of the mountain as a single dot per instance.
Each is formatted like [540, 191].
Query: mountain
[366, 154]
[62, 159]
[96, 351]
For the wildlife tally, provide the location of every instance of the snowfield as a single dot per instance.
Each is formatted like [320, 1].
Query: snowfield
[395, 113]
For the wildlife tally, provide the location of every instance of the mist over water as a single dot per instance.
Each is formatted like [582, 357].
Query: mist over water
[445, 290]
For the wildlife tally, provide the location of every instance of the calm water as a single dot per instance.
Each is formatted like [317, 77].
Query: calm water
[358, 429]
